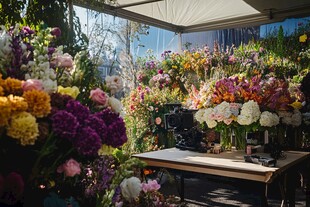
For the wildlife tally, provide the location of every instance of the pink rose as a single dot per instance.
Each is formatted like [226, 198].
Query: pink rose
[32, 84]
[70, 168]
[228, 121]
[98, 96]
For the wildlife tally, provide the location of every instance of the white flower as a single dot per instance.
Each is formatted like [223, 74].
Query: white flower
[131, 188]
[249, 114]
[208, 118]
[115, 104]
[269, 119]
[114, 83]
[199, 115]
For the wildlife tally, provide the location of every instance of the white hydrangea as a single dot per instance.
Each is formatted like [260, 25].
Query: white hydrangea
[249, 114]
[131, 188]
[291, 118]
[269, 119]
[223, 110]
[199, 116]
[207, 117]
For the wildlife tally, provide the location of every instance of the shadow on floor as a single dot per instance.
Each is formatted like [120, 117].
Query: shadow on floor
[226, 192]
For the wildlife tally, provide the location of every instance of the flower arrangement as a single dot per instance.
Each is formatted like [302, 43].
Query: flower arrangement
[61, 129]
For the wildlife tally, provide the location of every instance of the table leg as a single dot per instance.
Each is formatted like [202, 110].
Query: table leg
[264, 195]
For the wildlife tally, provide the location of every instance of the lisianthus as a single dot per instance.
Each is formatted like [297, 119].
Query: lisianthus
[151, 185]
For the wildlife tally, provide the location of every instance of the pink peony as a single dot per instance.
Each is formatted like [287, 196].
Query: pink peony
[32, 84]
[150, 186]
[98, 96]
[70, 168]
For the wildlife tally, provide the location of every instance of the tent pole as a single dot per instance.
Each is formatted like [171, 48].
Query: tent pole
[179, 42]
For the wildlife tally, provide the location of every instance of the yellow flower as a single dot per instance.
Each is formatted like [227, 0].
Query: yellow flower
[174, 67]
[303, 38]
[38, 103]
[71, 91]
[196, 55]
[296, 105]
[5, 111]
[106, 150]
[12, 86]
[24, 128]
[18, 103]
[187, 65]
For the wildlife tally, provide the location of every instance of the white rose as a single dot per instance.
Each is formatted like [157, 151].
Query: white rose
[115, 105]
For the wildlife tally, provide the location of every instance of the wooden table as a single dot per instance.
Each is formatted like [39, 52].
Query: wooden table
[229, 164]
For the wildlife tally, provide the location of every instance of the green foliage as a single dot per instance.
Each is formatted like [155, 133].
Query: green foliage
[11, 11]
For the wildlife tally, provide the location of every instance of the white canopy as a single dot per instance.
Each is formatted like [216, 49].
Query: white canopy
[201, 15]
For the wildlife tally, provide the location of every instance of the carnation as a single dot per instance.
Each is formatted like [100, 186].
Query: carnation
[38, 103]
[65, 124]
[5, 111]
[24, 128]
[80, 111]
[87, 142]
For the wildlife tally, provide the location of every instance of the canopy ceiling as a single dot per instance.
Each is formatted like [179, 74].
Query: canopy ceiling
[201, 15]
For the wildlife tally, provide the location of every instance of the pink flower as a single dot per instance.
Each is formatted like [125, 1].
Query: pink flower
[150, 186]
[228, 121]
[63, 61]
[56, 31]
[99, 96]
[32, 84]
[160, 71]
[70, 168]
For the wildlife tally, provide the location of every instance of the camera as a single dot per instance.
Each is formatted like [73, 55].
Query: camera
[179, 118]
[185, 129]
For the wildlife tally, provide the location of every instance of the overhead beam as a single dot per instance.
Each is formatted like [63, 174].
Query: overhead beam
[137, 4]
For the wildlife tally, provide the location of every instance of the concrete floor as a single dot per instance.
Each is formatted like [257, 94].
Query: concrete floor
[210, 191]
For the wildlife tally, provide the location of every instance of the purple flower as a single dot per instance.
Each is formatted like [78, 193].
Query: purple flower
[107, 116]
[87, 142]
[59, 101]
[27, 31]
[77, 109]
[56, 32]
[98, 125]
[65, 124]
[116, 133]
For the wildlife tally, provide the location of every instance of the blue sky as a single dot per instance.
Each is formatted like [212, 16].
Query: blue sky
[160, 40]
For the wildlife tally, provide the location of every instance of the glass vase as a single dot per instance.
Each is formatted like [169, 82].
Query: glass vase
[240, 138]
[225, 138]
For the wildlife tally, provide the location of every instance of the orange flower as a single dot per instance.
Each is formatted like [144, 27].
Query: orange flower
[38, 102]
[5, 111]
[12, 86]
[18, 104]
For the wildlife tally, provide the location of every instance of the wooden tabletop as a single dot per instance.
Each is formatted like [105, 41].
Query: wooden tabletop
[228, 164]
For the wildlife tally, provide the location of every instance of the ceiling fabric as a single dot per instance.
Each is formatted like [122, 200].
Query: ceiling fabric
[186, 16]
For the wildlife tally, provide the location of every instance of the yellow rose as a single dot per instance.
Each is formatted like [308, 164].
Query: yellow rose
[303, 38]
[71, 91]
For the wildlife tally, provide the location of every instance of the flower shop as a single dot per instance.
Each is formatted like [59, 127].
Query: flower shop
[68, 139]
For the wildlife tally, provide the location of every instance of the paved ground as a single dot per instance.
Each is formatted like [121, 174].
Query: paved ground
[225, 193]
